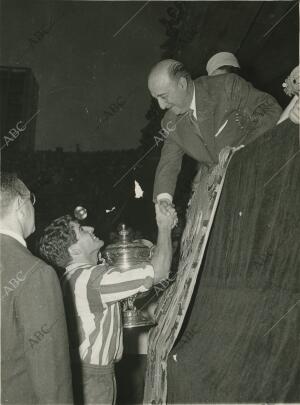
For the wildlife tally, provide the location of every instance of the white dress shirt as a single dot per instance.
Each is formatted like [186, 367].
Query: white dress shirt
[193, 104]
[167, 196]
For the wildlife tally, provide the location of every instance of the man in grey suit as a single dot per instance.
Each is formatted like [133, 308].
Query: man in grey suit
[204, 117]
[35, 367]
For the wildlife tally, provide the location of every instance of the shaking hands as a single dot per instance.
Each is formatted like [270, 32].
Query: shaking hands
[166, 216]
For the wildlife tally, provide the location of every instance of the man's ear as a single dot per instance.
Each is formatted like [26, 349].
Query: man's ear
[182, 83]
[74, 250]
[19, 207]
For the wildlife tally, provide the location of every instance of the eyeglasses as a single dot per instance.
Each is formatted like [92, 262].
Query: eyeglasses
[32, 198]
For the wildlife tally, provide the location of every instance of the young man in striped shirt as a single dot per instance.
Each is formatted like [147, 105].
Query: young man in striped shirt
[92, 293]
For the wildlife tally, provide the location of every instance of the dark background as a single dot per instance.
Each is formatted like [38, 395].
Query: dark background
[70, 62]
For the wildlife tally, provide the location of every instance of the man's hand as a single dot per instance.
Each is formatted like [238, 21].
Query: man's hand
[165, 206]
[166, 218]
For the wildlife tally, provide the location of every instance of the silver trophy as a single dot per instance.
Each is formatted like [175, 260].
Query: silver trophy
[124, 254]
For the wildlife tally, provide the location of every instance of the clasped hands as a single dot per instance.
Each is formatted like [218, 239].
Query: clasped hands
[166, 213]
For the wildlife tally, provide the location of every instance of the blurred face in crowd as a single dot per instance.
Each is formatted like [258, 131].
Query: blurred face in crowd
[171, 93]
[87, 245]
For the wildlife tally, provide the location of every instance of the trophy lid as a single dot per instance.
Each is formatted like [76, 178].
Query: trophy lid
[125, 252]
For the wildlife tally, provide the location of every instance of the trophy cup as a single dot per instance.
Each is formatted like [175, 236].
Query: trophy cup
[124, 254]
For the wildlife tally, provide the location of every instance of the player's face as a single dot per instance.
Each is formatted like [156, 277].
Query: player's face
[87, 242]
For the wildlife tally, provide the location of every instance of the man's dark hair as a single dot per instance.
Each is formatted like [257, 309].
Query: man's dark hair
[177, 70]
[56, 240]
[11, 188]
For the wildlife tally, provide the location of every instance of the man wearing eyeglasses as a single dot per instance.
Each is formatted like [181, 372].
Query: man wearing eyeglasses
[35, 366]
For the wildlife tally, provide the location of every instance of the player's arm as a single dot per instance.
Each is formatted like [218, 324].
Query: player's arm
[116, 285]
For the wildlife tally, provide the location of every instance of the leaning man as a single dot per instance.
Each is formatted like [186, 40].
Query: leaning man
[96, 290]
[204, 117]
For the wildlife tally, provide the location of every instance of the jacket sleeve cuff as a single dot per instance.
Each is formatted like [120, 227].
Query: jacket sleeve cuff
[164, 196]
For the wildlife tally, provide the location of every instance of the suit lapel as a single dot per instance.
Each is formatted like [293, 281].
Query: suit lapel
[205, 115]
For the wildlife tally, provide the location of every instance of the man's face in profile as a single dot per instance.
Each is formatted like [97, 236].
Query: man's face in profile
[87, 243]
[171, 94]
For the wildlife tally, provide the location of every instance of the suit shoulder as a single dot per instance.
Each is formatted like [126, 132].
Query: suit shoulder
[201, 79]
[228, 84]
[211, 85]
[15, 256]
[36, 272]
[232, 79]
[41, 269]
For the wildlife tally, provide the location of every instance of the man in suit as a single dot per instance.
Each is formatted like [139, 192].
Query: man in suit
[35, 367]
[204, 117]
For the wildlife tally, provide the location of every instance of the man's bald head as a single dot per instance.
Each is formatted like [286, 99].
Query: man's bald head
[11, 187]
[170, 83]
[16, 208]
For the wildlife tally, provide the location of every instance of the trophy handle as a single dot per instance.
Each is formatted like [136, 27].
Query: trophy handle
[152, 251]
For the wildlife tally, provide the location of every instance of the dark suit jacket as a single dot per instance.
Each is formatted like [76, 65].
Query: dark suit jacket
[35, 364]
[227, 98]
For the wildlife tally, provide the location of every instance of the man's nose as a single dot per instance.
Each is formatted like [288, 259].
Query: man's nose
[89, 228]
[162, 104]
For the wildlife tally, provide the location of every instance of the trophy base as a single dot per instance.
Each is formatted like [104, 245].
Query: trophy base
[135, 319]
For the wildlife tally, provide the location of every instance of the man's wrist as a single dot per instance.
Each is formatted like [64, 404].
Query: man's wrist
[164, 230]
[164, 196]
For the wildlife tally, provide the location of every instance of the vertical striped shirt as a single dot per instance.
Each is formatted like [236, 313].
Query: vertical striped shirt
[95, 292]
